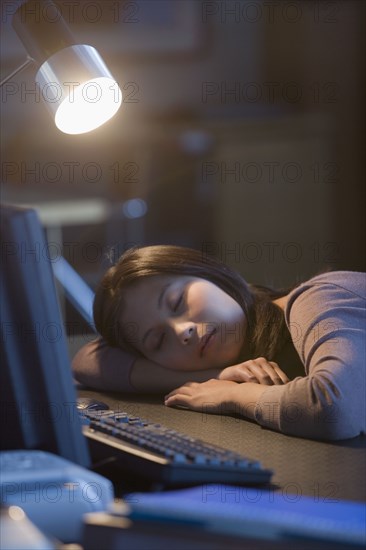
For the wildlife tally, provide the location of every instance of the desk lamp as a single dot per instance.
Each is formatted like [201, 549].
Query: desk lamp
[76, 85]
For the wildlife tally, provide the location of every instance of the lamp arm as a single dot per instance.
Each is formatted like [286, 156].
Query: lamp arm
[29, 61]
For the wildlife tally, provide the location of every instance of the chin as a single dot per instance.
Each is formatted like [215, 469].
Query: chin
[186, 367]
[218, 363]
[228, 361]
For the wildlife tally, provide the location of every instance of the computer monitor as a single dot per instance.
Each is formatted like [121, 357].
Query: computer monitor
[38, 399]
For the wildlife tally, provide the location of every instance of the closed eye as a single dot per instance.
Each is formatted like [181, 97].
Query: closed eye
[160, 342]
[178, 302]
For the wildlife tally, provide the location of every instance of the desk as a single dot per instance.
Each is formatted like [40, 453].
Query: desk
[320, 470]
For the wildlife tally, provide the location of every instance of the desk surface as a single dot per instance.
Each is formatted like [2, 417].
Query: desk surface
[327, 472]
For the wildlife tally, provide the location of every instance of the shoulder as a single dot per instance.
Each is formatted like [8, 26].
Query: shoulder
[324, 305]
[350, 281]
[328, 290]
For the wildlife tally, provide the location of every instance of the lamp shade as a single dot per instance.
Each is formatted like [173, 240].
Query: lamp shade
[75, 83]
[78, 89]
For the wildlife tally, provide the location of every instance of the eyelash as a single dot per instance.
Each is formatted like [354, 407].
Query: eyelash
[160, 342]
[179, 301]
[175, 308]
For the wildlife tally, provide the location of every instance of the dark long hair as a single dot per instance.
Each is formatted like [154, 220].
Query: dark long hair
[266, 332]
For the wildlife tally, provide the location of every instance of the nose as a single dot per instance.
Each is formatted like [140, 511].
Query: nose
[185, 332]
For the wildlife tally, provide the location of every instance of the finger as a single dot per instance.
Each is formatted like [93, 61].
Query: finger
[261, 374]
[227, 374]
[265, 372]
[179, 391]
[277, 374]
[272, 370]
[177, 406]
[178, 400]
[238, 373]
[280, 373]
[185, 389]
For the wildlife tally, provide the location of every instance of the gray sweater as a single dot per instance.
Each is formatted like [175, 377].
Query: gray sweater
[326, 317]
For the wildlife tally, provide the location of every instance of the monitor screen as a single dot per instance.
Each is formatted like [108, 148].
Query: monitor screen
[38, 399]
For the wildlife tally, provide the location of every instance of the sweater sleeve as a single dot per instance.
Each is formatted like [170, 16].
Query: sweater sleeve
[327, 319]
[103, 367]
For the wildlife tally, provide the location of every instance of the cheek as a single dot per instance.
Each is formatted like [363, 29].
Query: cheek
[211, 304]
[167, 357]
[174, 357]
[202, 300]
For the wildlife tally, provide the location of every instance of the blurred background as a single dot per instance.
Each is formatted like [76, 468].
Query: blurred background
[242, 134]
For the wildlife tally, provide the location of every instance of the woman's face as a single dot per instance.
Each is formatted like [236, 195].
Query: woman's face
[183, 322]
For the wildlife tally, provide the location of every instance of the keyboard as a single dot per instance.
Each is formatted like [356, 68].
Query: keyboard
[165, 455]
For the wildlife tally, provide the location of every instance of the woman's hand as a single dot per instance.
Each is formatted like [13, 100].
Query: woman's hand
[225, 395]
[257, 371]
[210, 396]
[217, 396]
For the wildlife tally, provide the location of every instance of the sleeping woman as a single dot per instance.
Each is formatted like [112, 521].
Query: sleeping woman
[173, 321]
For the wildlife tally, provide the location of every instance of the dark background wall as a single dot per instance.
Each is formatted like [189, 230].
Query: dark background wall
[242, 133]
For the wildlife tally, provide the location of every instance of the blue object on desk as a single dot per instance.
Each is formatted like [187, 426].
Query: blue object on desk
[257, 513]
[53, 492]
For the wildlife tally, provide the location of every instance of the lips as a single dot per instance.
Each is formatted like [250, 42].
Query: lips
[205, 340]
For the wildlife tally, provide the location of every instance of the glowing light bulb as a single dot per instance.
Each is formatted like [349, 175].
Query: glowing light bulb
[88, 106]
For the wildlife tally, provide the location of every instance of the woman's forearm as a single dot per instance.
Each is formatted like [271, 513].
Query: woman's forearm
[244, 398]
[149, 377]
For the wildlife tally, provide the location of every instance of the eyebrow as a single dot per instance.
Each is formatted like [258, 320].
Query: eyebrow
[160, 304]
